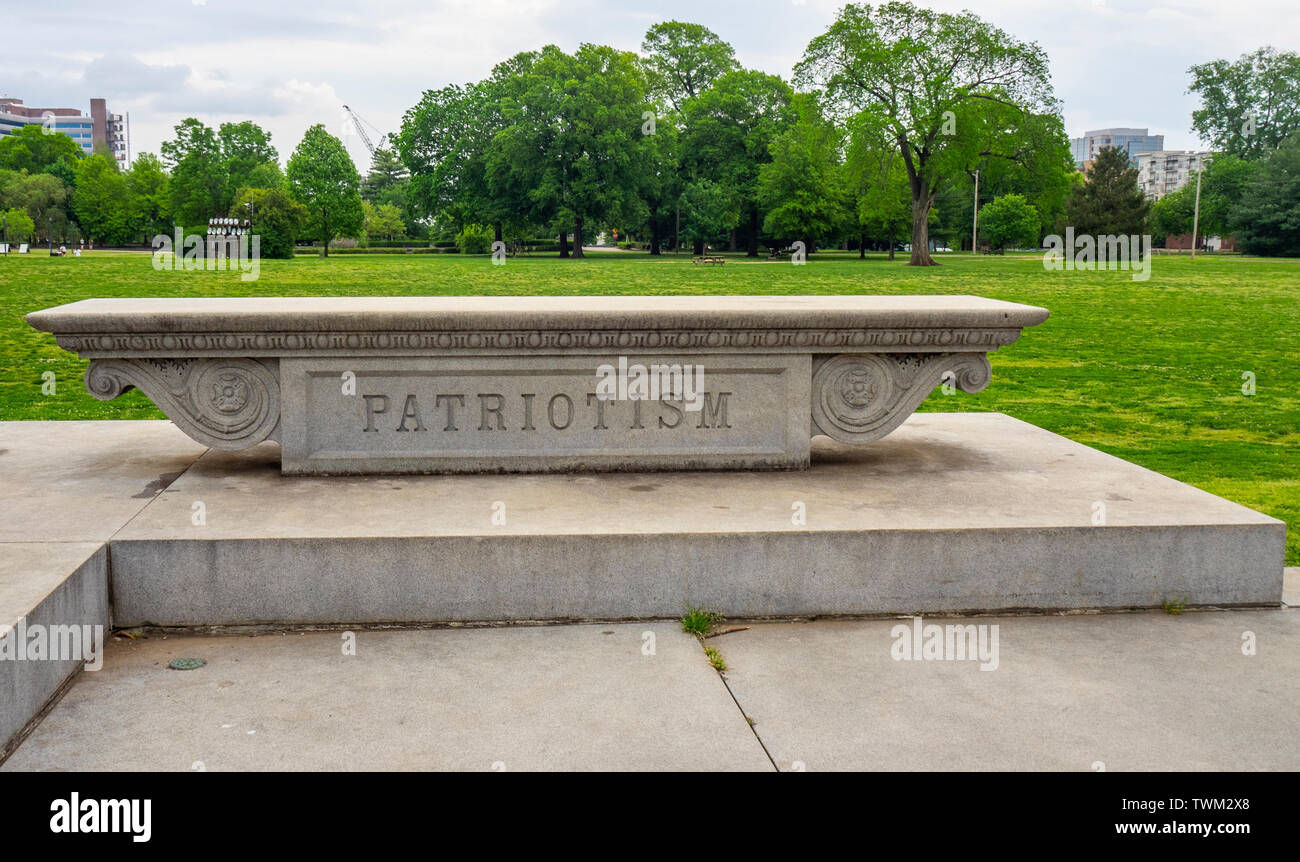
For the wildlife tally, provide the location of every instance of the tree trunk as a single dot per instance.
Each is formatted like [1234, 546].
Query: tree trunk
[654, 233]
[577, 236]
[564, 243]
[862, 246]
[809, 245]
[731, 244]
[699, 248]
[496, 232]
[752, 251]
[921, 203]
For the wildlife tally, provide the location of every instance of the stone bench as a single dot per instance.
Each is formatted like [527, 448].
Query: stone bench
[520, 384]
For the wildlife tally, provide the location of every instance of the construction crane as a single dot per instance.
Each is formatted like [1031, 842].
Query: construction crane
[365, 138]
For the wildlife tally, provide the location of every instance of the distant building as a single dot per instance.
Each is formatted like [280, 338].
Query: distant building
[1131, 141]
[112, 131]
[1165, 171]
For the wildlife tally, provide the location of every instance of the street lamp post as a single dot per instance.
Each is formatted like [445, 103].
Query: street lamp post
[1196, 212]
[51, 236]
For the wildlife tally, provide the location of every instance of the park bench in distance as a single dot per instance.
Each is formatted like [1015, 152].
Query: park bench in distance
[708, 259]
[521, 384]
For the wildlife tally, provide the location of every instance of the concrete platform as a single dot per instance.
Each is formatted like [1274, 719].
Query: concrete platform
[954, 512]
[512, 699]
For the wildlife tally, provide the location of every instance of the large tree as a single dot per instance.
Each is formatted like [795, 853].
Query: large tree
[323, 178]
[249, 159]
[45, 198]
[209, 167]
[572, 147]
[802, 188]
[198, 178]
[1009, 220]
[1109, 203]
[100, 202]
[148, 209]
[683, 60]
[31, 148]
[1267, 221]
[444, 143]
[729, 132]
[921, 70]
[277, 219]
[1248, 106]
[661, 181]
[876, 184]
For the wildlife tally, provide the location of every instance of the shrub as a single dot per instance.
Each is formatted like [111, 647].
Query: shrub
[475, 239]
[274, 244]
[19, 225]
[307, 249]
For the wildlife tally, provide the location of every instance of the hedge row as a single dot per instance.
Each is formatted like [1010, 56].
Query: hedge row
[541, 247]
[305, 250]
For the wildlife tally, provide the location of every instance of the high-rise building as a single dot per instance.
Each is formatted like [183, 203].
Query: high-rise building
[99, 127]
[1131, 141]
[111, 130]
[1165, 171]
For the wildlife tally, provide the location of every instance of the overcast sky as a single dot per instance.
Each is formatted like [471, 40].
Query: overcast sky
[289, 65]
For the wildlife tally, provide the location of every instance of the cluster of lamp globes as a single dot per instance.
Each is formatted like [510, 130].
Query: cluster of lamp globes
[228, 227]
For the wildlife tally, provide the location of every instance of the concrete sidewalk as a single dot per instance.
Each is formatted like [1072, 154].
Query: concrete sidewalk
[1135, 691]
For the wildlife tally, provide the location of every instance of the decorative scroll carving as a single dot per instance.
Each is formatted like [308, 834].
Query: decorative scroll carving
[225, 403]
[861, 397]
[545, 340]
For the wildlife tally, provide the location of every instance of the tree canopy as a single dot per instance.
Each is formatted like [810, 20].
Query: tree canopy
[1248, 106]
[930, 75]
[323, 179]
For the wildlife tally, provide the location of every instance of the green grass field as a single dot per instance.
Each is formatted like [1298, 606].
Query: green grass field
[1149, 371]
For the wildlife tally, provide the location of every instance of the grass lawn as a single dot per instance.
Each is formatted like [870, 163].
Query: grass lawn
[1148, 371]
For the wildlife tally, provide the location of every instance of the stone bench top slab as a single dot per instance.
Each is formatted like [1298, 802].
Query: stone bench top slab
[451, 313]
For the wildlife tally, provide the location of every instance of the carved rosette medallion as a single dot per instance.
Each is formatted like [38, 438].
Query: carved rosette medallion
[225, 403]
[861, 397]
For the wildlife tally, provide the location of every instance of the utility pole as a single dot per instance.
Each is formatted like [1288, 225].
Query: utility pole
[1196, 211]
[51, 236]
[975, 219]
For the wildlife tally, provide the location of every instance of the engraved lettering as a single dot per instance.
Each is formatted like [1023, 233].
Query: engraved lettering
[594, 398]
[676, 410]
[550, 411]
[498, 403]
[716, 413]
[411, 410]
[451, 412]
[372, 412]
[528, 411]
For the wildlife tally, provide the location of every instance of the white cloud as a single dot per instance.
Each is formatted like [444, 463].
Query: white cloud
[287, 66]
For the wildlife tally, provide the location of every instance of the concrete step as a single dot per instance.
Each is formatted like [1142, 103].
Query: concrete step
[65, 488]
[954, 512]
